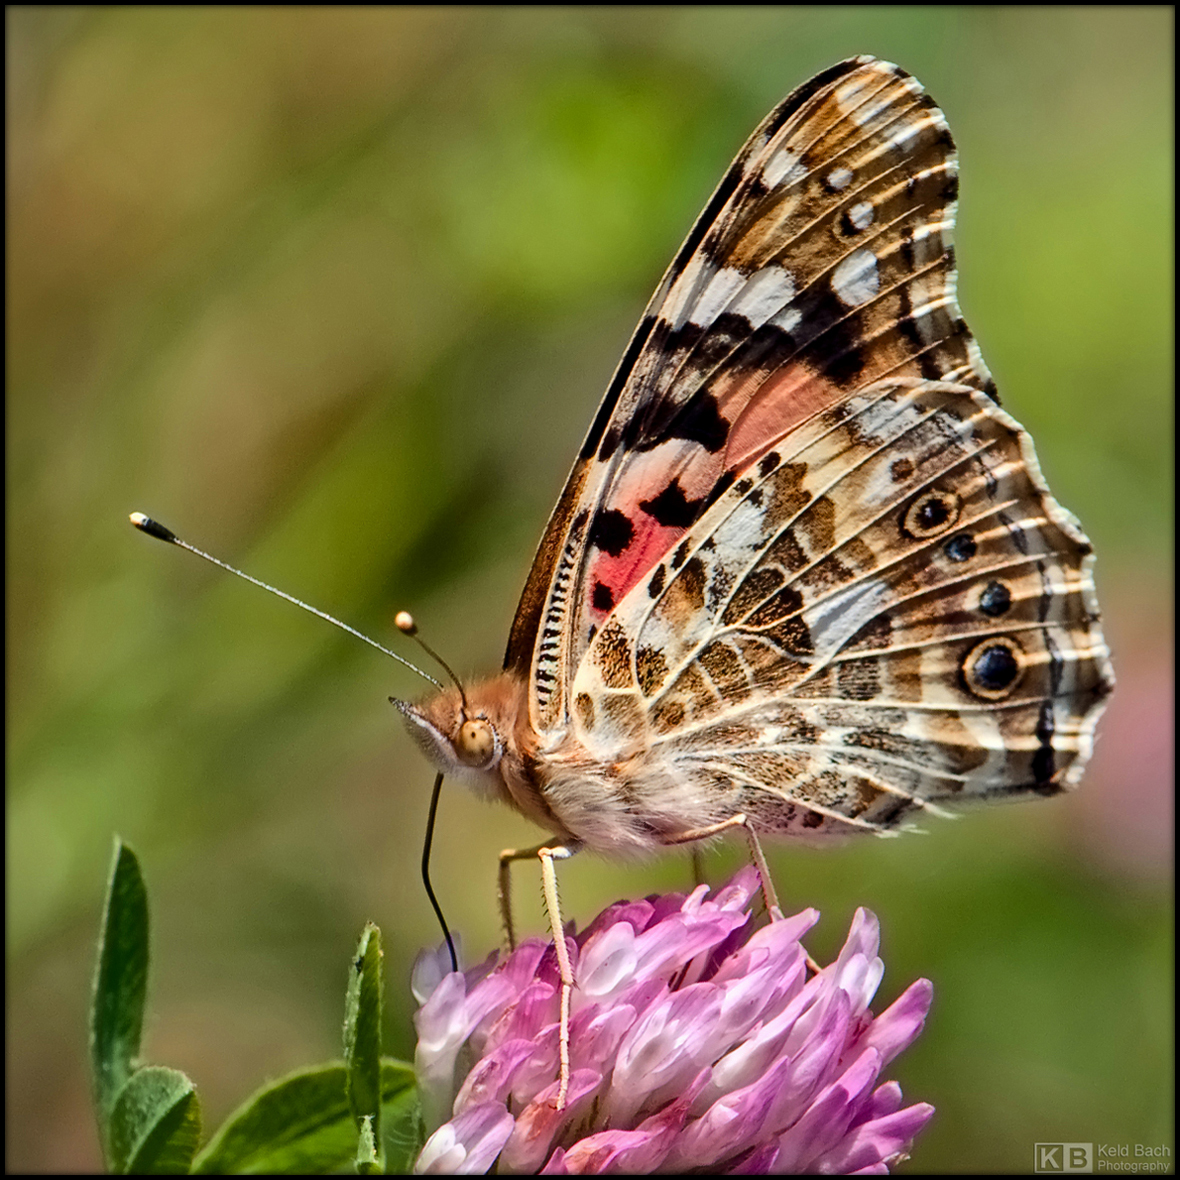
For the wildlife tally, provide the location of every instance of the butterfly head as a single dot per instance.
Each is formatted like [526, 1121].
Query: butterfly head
[459, 737]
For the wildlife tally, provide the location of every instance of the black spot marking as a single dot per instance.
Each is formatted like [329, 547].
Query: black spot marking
[960, 547]
[680, 556]
[900, 470]
[700, 421]
[950, 189]
[994, 669]
[672, 508]
[611, 531]
[995, 600]
[655, 586]
[835, 335]
[812, 819]
[768, 463]
[743, 486]
[603, 597]
[930, 514]
[1043, 762]
[1014, 531]
[1046, 599]
[929, 363]
[1056, 665]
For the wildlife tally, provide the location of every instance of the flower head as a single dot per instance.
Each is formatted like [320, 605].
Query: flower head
[695, 1044]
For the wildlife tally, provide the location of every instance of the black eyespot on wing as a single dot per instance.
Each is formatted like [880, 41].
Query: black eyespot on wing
[672, 508]
[995, 599]
[960, 547]
[603, 597]
[700, 421]
[611, 531]
[993, 668]
[933, 512]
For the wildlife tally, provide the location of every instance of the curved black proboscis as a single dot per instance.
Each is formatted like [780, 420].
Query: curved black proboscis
[426, 871]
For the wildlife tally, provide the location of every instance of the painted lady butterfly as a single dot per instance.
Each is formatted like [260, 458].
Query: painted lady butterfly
[805, 576]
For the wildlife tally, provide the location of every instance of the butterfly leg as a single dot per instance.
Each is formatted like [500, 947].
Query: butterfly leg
[547, 855]
[505, 888]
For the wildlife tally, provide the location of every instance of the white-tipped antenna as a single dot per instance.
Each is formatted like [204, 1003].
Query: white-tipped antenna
[153, 528]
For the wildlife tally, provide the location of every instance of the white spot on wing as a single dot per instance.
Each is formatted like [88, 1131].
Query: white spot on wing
[839, 178]
[766, 293]
[835, 619]
[788, 319]
[861, 214]
[784, 165]
[716, 296]
[855, 280]
[687, 288]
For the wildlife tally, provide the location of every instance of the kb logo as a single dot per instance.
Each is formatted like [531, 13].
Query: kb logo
[1064, 1157]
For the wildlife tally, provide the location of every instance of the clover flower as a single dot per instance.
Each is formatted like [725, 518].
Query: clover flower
[695, 1045]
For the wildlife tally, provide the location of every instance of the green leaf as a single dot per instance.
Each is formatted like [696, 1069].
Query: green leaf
[155, 1124]
[302, 1123]
[120, 985]
[362, 1031]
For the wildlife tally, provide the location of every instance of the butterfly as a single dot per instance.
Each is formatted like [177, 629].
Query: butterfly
[805, 577]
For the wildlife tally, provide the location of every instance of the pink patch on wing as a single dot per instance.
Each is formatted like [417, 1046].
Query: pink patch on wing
[761, 409]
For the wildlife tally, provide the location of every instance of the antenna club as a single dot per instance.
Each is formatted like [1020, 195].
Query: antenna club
[153, 528]
[404, 622]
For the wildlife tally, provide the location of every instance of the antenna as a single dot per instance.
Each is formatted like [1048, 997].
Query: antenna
[404, 622]
[153, 528]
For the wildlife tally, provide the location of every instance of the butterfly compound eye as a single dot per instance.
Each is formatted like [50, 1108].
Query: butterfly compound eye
[476, 743]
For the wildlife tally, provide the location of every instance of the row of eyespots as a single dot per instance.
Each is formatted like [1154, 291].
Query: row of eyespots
[993, 668]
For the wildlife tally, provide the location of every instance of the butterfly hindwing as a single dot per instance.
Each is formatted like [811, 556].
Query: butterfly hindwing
[821, 265]
[887, 611]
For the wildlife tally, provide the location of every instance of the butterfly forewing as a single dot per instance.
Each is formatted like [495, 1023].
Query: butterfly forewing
[821, 265]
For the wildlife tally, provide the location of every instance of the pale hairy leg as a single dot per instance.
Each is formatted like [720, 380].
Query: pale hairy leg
[546, 854]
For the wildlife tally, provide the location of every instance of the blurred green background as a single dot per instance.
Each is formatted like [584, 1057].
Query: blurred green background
[334, 293]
